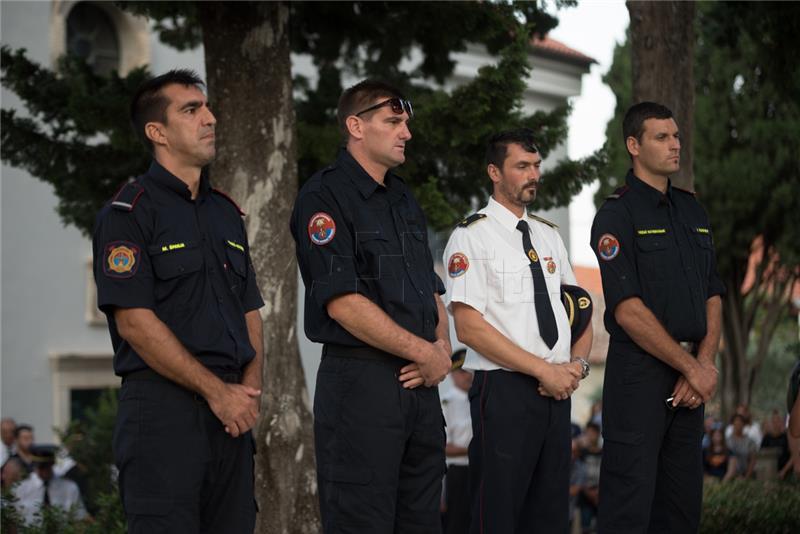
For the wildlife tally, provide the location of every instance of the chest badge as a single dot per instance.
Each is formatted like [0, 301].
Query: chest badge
[551, 265]
[457, 265]
[321, 228]
[532, 256]
[607, 247]
[121, 259]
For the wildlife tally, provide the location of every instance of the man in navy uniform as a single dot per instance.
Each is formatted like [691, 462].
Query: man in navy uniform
[175, 280]
[663, 312]
[372, 298]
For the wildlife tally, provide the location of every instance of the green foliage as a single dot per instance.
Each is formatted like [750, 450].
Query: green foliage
[77, 139]
[89, 443]
[618, 78]
[75, 135]
[751, 506]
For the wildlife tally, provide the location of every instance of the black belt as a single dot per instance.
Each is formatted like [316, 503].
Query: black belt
[363, 353]
[229, 377]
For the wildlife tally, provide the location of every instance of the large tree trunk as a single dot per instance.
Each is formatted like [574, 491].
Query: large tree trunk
[662, 48]
[250, 89]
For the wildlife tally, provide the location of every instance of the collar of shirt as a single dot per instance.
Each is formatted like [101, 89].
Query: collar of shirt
[648, 192]
[502, 214]
[168, 180]
[365, 184]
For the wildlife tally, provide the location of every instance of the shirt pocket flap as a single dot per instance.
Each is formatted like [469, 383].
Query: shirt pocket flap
[236, 257]
[168, 263]
[651, 243]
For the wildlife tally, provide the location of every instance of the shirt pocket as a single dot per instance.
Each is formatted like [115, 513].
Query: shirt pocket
[176, 267]
[236, 264]
[510, 281]
[375, 259]
[653, 257]
[704, 249]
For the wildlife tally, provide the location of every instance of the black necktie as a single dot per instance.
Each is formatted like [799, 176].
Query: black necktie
[541, 297]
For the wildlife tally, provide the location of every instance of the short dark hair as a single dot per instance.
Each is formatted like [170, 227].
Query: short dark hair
[633, 123]
[497, 147]
[149, 103]
[360, 96]
[21, 428]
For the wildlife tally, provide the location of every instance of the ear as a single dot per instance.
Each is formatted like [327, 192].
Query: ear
[355, 127]
[633, 145]
[155, 132]
[495, 175]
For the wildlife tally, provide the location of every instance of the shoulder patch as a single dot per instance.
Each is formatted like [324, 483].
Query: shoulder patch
[127, 196]
[229, 199]
[618, 192]
[542, 220]
[471, 219]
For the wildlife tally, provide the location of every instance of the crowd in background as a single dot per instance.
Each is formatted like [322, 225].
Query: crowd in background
[35, 476]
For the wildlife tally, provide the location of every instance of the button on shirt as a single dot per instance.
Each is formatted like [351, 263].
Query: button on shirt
[354, 235]
[658, 247]
[498, 282]
[187, 260]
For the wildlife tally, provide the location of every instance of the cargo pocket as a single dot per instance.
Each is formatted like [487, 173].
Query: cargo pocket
[622, 454]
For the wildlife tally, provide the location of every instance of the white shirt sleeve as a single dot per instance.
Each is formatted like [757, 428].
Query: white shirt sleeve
[465, 265]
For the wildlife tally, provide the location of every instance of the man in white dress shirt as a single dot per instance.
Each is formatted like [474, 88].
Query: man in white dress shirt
[44, 489]
[505, 272]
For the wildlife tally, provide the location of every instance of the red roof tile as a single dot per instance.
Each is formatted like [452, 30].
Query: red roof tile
[550, 46]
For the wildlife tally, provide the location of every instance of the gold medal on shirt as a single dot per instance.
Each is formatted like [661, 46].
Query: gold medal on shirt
[551, 266]
[532, 255]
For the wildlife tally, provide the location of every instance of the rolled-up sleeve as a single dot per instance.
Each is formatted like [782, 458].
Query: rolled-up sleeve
[328, 265]
[121, 263]
[465, 264]
[612, 243]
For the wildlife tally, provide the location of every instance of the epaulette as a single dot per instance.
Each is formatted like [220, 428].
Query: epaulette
[618, 192]
[127, 196]
[229, 199]
[471, 219]
[540, 219]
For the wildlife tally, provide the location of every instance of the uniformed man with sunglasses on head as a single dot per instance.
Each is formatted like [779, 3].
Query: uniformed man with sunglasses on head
[372, 298]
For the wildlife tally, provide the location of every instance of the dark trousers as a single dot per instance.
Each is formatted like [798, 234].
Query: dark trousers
[519, 457]
[380, 450]
[456, 490]
[651, 476]
[179, 472]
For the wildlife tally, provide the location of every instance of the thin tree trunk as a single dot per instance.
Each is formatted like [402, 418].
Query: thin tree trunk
[662, 48]
[249, 79]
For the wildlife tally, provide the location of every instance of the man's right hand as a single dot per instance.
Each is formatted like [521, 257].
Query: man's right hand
[436, 363]
[234, 406]
[560, 380]
[703, 379]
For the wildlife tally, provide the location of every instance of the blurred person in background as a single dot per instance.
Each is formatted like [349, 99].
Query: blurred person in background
[775, 438]
[7, 429]
[743, 447]
[719, 463]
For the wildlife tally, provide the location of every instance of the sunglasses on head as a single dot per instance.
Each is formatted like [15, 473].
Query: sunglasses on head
[398, 106]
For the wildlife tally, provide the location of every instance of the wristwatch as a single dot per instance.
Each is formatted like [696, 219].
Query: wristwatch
[584, 367]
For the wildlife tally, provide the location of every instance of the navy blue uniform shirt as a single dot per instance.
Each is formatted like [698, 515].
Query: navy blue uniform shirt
[658, 247]
[353, 235]
[187, 260]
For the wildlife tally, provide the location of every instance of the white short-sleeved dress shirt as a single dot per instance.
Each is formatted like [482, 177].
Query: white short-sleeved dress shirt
[488, 270]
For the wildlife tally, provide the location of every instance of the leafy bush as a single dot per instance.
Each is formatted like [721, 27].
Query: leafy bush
[751, 506]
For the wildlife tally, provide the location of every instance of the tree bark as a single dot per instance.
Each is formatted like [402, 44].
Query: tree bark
[248, 71]
[662, 58]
